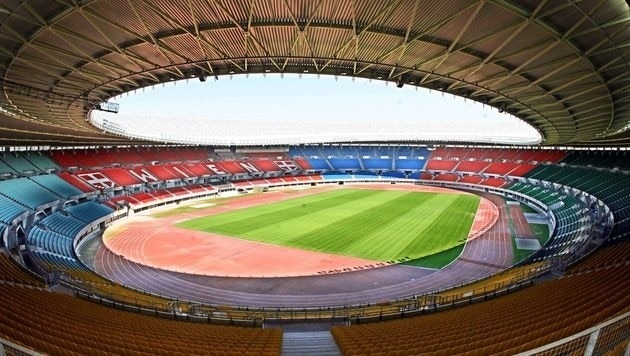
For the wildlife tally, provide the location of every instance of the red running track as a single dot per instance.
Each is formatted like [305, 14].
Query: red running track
[158, 243]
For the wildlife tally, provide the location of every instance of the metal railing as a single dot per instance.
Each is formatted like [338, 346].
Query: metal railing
[610, 337]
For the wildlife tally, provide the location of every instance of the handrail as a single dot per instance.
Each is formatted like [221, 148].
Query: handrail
[593, 333]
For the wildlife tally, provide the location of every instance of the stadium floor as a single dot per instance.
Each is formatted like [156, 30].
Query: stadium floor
[160, 242]
[487, 254]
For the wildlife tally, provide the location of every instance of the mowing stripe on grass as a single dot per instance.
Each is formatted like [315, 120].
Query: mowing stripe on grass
[322, 223]
[378, 225]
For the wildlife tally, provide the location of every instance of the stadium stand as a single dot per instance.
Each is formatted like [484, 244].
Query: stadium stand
[318, 164]
[494, 182]
[409, 164]
[520, 321]
[64, 158]
[120, 176]
[51, 242]
[345, 163]
[89, 211]
[471, 179]
[61, 324]
[164, 172]
[76, 182]
[266, 165]
[612, 187]
[11, 272]
[27, 192]
[337, 176]
[440, 165]
[41, 160]
[62, 224]
[471, 166]
[52, 237]
[560, 67]
[228, 167]
[57, 185]
[500, 168]
[88, 158]
[448, 177]
[19, 163]
[9, 209]
[6, 170]
[604, 159]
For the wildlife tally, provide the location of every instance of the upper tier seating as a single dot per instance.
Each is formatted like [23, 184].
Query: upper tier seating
[522, 169]
[230, 167]
[266, 165]
[448, 177]
[121, 176]
[19, 163]
[495, 154]
[302, 163]
[604, 159]
[279, 155]
[65, 158]
[88, 158]
[164, 172]
[471, 179]
[127, 156]
[410, 164]
[6, 170]
[76, 182]
[89, 211]
[318, 163]
[59, 186]
[345, 163]
[26, 192]
[440, 165]
[167, 154]
[352, 158]
[494, 182]
[41, 160]
[471, 166]
[196, 169]
[500, 168]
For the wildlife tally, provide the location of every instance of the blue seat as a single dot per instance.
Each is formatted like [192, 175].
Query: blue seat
[89, 211]
[56, 184]
[9, 209]
[27, 192]
[63, 224]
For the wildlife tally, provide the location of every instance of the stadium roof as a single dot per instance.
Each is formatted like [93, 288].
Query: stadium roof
[561, 65]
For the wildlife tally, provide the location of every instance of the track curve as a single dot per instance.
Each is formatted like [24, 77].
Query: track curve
[488, 253]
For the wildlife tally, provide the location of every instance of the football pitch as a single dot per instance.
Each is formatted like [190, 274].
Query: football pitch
[380, 225]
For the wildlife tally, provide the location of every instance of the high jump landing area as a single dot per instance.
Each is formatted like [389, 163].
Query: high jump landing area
[158, 243]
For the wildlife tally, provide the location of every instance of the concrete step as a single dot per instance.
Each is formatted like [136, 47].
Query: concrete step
[309, 343]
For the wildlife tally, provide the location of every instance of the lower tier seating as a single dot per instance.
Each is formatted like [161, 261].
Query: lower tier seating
[60, 324]
[504, 326]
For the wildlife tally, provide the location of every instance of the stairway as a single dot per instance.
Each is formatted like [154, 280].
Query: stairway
[309, 343]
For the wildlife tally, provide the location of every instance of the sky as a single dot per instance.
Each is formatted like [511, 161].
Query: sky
[311, 98]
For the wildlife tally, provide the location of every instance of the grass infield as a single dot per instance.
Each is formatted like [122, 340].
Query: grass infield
[381, 225]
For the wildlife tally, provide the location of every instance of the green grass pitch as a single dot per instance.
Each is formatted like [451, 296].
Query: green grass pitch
[381, 225]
